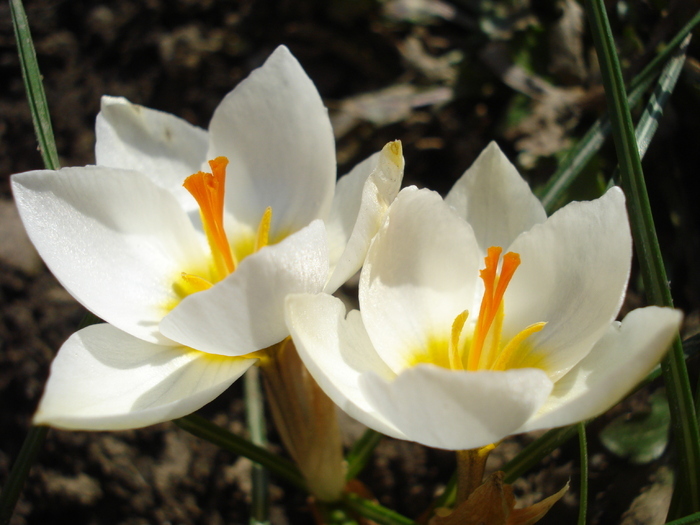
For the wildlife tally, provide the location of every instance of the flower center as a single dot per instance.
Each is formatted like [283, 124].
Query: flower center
[208, 190]
[485, 348]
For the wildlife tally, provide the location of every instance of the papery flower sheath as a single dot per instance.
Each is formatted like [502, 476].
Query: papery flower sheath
[480, 317]
[187, 241]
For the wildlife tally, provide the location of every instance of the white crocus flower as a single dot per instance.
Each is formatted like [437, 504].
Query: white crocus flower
[192, 287]
[480, 317]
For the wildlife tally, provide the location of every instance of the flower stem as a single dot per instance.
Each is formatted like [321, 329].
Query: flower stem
[583, 490]
[470, 470]
[255, 416]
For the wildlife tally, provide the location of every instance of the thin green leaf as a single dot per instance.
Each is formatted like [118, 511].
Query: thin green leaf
[361, 451]
[535, 451]
[200, 427]
[34, 87]
[688, 520]
[641, 437]
[649, 122]
[255, 417]
[375, 512]
[47, 145]
[583, 490]
[20, 470]
[589, 145]
[651, 264]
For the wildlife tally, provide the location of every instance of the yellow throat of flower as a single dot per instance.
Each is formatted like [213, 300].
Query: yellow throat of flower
[484, 348]
[208, 190]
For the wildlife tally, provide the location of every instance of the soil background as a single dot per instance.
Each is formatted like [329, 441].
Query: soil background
[386, 71]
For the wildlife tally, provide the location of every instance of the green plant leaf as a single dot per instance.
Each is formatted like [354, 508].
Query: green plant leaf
[641, 437]
[684, 421]
[33, 86]
[200, 427]
[361, 451]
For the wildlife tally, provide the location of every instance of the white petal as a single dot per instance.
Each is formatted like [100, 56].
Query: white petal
[245, 312]
[279, 142]
[337, 351]
[162, 146]
[573, 276]
[361, 201]
[618, 362]
[495, 200]
[457, 410]
[104, 379]
[420, 273]
[115, 241]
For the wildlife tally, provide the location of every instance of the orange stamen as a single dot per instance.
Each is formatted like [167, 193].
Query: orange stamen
[494, 290]
[208, 191]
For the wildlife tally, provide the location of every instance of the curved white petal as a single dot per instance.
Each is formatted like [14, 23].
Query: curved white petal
[105, 379]
[361, 201]
[573, 276]
[337, 351]
[245, 312]
[495, 200]
[115, 241]
[275, 131]
[457, 410]
[162, 146]
[420, 273]
[618, 362]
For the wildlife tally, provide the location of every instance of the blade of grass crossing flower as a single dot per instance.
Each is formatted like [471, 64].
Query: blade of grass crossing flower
[47, 145]
[200, 427]
[20, 470]
[34, 87]
[361, 451]
[255, 416]
[583, 490]
[581, 153]
[376, 512]
[535, 451]
[653, 273]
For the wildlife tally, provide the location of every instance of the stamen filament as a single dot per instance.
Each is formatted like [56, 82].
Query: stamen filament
[263, 237]
[208, 191]
[453, 351]
[197, 283]
[514, 344]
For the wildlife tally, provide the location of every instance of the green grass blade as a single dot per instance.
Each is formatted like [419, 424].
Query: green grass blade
[34, 87]
[255, 416]
[581, 153]
[675, 374]
[374, 511]
[535, 451]
[47, 145]
[583, 490]
[20, 470]
[200, 427]
[361, 451]
[693, 519]
[649, 121]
